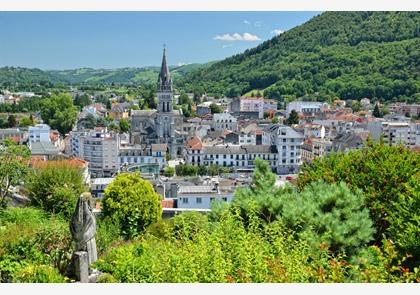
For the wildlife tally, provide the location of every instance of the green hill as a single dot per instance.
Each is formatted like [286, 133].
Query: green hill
[24, 78]
[350, 55]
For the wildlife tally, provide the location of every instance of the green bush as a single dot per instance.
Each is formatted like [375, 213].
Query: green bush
[389, 177]
[106, 278]
[29, 237]
[132, 202]
[38, 274]
[55, 186]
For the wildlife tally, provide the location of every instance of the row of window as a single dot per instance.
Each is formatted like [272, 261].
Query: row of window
[199, 200]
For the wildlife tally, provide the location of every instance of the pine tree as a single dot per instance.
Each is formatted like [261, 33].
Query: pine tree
[377, 112]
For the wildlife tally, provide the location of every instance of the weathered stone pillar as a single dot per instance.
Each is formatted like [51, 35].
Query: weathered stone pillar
[81, 265]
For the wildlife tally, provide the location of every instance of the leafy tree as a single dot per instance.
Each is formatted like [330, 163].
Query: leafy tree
[124, 125]
[132, 202]
[13, 167]
[376, 112]
[55, 186]
[293, 118]
[321, 214]
[388, 176]
[59, 112]
[214, 108]
[82, 100]
[11, 121]
[169, 171]
[275, 120]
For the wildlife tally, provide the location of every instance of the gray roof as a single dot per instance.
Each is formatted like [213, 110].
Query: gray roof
[143, 113]
[236, 149]
[43, 148]
[194, 189]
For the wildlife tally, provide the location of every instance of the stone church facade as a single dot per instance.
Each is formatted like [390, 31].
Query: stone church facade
[164, 125]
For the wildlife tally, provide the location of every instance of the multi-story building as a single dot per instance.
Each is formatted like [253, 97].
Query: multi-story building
[39, 133]
[16, 134]
[395, 133]
[201, 196]
[100, 149]
[288, 143]
[224, 121]
[307, 108]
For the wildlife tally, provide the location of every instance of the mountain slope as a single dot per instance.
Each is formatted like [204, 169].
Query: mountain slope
[336, 54]
[24, 77]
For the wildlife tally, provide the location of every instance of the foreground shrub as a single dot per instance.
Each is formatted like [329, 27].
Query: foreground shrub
[389, 177]
[132, 202]
[55, 187]
[38, 274]
[29, 237]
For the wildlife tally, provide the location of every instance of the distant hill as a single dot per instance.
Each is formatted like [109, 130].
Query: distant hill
[349, 55]
[12, 76]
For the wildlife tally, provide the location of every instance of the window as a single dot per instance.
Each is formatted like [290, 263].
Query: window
[211, 200]
[224, 199]
[198, 200]
[184, 200]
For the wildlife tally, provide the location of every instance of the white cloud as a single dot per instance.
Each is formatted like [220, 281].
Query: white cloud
[277, 31]
[247, 22]
[182, 64]
[237, 37]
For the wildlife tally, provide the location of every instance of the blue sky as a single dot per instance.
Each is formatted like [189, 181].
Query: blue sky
[67, 40]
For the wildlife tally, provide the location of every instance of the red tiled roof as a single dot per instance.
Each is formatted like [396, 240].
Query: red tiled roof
[195, 143]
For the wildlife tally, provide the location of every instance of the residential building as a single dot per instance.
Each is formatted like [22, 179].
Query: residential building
[39, 133]
[224, 121]
[307, 108]
[98, 186]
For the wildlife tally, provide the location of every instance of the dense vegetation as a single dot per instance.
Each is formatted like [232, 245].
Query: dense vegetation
[349, 55]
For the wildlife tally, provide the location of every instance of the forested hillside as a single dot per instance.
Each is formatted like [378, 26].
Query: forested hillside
[349, 55]
[17, 78]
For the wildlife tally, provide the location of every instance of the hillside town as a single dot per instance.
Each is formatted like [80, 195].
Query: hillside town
[159, 142]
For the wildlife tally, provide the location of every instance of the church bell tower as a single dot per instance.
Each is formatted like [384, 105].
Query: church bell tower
[164, 87]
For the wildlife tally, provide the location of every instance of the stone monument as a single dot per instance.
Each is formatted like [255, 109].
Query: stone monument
[83, 230]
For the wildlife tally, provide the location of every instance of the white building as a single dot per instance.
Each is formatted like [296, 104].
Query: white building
[39, 133]
[224, 121]
[200, 196]
[288, 143]
[308, 108]
[100, 149]
[396, 132]
[98, 186]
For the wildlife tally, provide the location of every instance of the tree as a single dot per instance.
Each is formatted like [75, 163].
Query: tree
[376, 112]
[82, 100]
[132, 202]
[124, 125]
[214, 108]
[320, 214]
[11, 121]
[388, 177]
[275, 120]
[59, 112]
[13, 167]
[293, 118]
[169, 171]
[55, 186]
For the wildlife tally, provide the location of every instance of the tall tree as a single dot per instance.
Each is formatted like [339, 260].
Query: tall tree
[59, 112]
[293, 118]
[377, 112]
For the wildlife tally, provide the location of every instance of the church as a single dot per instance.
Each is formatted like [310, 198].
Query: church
[161, 126]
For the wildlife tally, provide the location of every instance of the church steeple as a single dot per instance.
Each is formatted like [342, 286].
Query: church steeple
[164, 79]
[164, 87]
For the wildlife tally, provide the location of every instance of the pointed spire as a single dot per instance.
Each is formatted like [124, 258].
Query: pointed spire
[164, 80]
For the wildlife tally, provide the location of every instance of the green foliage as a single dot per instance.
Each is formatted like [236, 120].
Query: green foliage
[377, 112]
[293, 118]
[214, 108]
[132, 202]
[169, 171]
[38, 273]
[32, 244]
[13, 167]
[324, 215]
[82, 100]
[59, 112]
[11, 121]
[388, 177]
[350, 55]
[55, 187]
[124, 125]
[106, 278]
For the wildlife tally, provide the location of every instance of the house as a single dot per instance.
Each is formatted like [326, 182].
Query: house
[98, 186]
[224, 121]
[201, 196]
[45, 149]
[16, 134]
[39, 133]
[307, 108]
